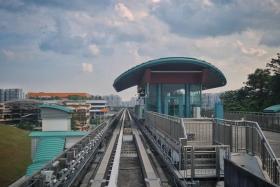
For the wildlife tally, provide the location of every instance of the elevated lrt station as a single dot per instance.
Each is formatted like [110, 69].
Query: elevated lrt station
[165, 141]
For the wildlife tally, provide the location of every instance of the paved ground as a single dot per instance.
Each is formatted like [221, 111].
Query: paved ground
[249, 162]
[274, 140]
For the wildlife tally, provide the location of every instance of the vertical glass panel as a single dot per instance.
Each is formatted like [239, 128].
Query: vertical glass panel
[195, 95]
[151, 100]
[173, 99]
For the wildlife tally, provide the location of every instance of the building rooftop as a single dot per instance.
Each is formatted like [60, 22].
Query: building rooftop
[132, 77]
[57, 107]
[57, 133]
[57, 94]
[272, 109]
[47, 149]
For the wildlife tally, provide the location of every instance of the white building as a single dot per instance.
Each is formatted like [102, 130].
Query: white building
[98, 107]
[209, 100]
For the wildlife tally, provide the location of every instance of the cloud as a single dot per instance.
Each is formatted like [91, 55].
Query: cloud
[24, 5]
[213, 18]
[8, 54]
[94, 49]
[271, 38]
[155, 1]
[124, 11]
[250, 51]
[87, 67]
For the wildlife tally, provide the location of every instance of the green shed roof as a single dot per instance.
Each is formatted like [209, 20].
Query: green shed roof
[57, 107]
[47, 149]
[57, 133]
[272, 109]
[133, 76]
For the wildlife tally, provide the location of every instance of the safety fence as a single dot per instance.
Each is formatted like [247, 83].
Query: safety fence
[66, 167]
[204, 161]
[170, 126]
[247, 136]
[197, 156]
[195, 135]
[267, 121]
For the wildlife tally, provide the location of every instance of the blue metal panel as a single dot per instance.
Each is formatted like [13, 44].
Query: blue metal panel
[219, 110]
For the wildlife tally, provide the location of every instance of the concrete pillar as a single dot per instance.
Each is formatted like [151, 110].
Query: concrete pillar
[159, 98]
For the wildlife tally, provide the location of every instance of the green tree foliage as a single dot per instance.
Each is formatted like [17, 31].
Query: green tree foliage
[261, 90]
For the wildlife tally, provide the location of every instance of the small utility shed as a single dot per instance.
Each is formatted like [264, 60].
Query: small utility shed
[272, 109]
[56, 117]
[56, 135]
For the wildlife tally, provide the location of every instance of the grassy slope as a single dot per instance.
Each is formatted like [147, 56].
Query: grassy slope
[14, 153]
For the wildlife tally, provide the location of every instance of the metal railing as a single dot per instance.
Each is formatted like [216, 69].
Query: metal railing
[267, 121]
[170, 126]
[62, 170]
[247, 136]
[239, 135]
[198, 131]
[199, 157]
[204, 161]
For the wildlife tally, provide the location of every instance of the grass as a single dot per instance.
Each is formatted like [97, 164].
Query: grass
[15, 154]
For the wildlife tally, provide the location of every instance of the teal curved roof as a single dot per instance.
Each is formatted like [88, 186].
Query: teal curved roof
[133, 76]
[272, 109]
[57, 107]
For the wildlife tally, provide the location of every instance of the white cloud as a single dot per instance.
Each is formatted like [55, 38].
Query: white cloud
[87, 67]
[8, 54]
[250, 50]
[207, 3]
[124, 11]
[155, 1]
[94, 49]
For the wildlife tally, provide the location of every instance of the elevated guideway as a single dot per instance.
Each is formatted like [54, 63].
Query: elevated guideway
[162, 151]
[126, 162]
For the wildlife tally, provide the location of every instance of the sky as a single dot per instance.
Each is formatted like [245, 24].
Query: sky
[83, 45]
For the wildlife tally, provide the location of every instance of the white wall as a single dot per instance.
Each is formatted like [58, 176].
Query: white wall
[56, 125]
[71, 141]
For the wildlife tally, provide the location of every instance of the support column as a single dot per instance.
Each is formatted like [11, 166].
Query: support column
[187, 100]
[146, 100]
[159, 98]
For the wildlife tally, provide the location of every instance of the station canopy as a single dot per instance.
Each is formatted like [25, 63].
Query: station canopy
[134, 76]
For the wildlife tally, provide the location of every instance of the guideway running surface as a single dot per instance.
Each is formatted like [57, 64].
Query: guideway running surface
[126, 162]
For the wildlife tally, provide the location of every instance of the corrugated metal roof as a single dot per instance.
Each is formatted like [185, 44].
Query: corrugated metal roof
[35, 167]
[57, 107]
[57, 133]
[272, 109]
[47, 149]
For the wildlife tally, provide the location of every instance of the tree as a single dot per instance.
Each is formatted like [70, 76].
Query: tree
[274, 65]
[259, 89]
